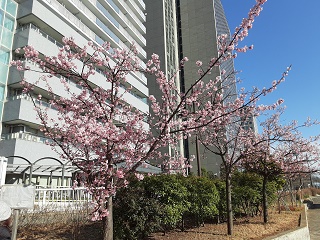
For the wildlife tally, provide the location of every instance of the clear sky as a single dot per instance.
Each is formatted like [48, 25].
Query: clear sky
[286, 32]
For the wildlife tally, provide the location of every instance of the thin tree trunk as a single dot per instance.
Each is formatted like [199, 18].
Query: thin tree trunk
[264, 200]
[279, 206]
[182, 223]
[229, 204]
[108, 222]
[291, 192]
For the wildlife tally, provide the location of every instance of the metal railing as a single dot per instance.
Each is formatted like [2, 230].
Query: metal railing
[25, 136]
[131, 13]
[137, 9]
[66, 13]
[84, 9]
[140, 76]
[61, 196]
[42, 33]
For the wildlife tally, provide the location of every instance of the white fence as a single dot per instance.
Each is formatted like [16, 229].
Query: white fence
[61, 197]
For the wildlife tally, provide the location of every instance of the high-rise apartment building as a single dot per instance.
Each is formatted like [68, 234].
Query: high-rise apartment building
[198, 23]
[8, 10]
[43, 24]
[162, 39]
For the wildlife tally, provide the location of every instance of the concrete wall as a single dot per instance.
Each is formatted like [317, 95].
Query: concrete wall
[301, 233]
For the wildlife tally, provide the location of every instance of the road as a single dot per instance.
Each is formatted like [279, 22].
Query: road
[313, 215]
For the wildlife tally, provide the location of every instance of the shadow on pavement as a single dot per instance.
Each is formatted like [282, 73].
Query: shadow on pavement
[312, 205]
[309, 203]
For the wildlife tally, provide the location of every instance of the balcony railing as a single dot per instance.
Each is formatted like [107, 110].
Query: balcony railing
[140, 76]
[137, 9]
[31, 99]
[45, 35]
[131, 14]
[72, 83]
[25, 136]
[142, 4]
[66, 13]
[84, 9]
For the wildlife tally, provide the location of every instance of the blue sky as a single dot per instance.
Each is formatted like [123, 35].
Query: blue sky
[287, 32]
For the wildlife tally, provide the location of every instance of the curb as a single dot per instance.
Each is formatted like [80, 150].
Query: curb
[300, 233]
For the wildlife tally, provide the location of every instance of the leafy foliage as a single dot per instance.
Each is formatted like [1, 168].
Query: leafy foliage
[171, 194]
[247, 192]
[135, 215]
[203, 198]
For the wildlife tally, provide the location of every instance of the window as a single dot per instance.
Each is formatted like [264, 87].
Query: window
[16, 129]
[11, 7]
[2, 4]
[107, 14]
[7, 38]
[4, 56]
[3, 71]
[2, 88]
[1, 17]
[107, 30]
[113, 5]
[8, 23]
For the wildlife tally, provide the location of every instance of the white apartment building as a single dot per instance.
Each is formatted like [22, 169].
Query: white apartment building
[43, 24]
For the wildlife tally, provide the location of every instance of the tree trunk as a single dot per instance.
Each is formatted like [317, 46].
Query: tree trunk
[182, 223]
[291, 192]
[264, 200]
[108, 222]
[279, 206]
[229, 204]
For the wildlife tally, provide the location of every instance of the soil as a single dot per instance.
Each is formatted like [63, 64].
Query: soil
[244, 229]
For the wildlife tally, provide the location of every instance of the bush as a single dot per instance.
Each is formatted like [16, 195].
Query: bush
[314, 191]
[246, 193]
[135, 215]
[203, 198]
[171, 194]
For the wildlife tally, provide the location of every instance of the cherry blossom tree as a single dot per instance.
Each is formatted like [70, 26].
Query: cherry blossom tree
[106, 137]
[231, 138]
[275, 152]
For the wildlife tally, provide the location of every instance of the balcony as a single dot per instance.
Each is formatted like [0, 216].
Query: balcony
[25, 145]
[137, 11]
[70, 16]
[19, 109]
[87, 23]
[130, 14]
[26, 137]
[141, 4]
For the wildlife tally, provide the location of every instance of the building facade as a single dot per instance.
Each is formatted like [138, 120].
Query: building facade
[43, 24]
[162, 39]
[8, 11]
[198, 24]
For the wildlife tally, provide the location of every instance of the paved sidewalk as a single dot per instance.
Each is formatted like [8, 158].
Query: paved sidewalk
[313, 216]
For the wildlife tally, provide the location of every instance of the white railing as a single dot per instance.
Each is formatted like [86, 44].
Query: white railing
[131, 14]
[42, 33]
[140, 76]
[31, 99]
[84, 9]
[137, 9]
[61, 197]
[25, 136]
[61, 9]
[142, 4]
[131, 25]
